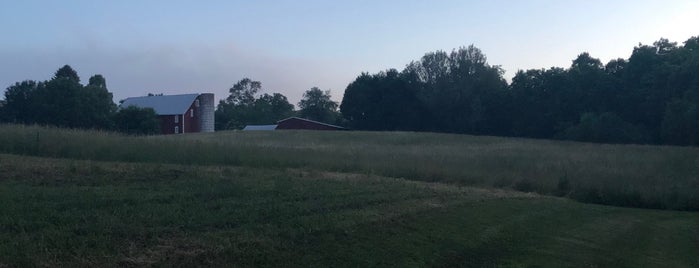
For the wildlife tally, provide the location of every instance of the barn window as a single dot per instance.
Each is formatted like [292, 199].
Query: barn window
[196, 103]
[177, 129]
[191, 113]
[177, 119]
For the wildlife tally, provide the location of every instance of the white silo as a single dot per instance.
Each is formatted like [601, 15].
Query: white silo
[206, 111]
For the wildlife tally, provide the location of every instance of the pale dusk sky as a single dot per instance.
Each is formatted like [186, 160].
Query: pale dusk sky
[175, 47]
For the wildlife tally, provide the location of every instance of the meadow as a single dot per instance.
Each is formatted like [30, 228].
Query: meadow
[662, 177]
[288, 198]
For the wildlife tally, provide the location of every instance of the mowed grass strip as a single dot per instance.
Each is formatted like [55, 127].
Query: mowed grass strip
[58, 212]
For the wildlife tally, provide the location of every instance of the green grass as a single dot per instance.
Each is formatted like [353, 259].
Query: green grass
[67, 212]
[624, 175]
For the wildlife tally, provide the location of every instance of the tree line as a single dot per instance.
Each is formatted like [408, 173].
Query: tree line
[650, 98]
[63, 101]
[246, 106]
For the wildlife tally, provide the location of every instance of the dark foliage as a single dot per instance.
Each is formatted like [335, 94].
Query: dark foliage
[384, 101]
[317, 105]
[64, 102]
[61, 101]
[650, 98]
[137, 121]
[66, 72]
[242, 108]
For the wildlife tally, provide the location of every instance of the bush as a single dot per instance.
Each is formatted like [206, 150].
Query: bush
[137, 121]
[604, 127]
[563, 187]
[524, 185]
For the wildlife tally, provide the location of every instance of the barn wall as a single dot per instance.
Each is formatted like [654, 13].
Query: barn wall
[191, 123]
[167, 124]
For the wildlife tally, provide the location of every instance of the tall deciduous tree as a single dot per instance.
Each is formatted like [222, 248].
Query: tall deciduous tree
[680, 124]
[98, 81]
[234, 111]
[20, 104]
[61, 101]
[269, 109]
[100, 104]
[67, 72]
[243, 92]
[461, 90]
[384, 101]
[648, 98]
[317, 105]
[242, 108]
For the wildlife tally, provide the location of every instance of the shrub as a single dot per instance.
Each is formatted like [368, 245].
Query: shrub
[524, 185]
[137, 121]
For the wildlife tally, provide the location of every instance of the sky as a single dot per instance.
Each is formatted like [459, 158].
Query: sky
[177, 47]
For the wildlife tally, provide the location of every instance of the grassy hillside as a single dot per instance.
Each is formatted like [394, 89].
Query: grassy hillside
[624, 175]
[66, 212]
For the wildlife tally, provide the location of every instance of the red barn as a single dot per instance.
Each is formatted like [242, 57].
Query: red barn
[302, 123]
[184, 113]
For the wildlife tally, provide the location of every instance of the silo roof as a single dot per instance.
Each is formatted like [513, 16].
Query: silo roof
[163, 105]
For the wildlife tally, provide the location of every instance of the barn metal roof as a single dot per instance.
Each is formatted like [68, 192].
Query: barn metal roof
[260, 127]
[163, 105]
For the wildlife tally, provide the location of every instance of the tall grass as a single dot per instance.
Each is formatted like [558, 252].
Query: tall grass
[625, 175]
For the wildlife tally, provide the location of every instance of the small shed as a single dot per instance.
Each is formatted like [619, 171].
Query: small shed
[306, 124]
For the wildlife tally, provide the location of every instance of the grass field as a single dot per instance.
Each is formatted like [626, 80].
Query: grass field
[72, 198]
[661, 177]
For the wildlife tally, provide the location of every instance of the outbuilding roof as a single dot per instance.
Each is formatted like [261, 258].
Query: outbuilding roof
[260, 127]
[308, 120]
[163, 105]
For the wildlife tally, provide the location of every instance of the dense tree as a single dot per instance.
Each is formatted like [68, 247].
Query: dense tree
[243, 92]
[385, 101]
[20, 105]
[538, 105]
[137, 121]
[680, 124]
[605, 128]
[234, 111]
[590, 89]
[65, 102]
[242, 108]
[68, 73]
[460, 89]
[652, 97]
[99, 105]
[449, 92]
[269, 109]
[317, 105]
[61, 101]
[97, 81]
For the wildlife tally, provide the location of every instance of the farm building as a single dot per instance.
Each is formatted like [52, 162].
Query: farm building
[184, 113]
[302, 123]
